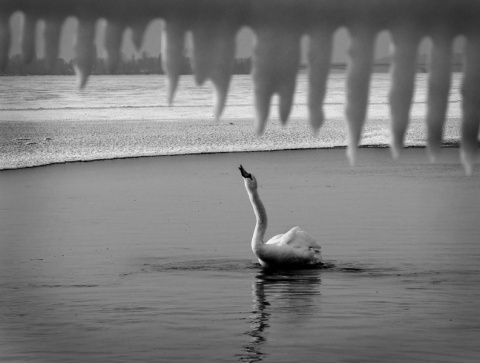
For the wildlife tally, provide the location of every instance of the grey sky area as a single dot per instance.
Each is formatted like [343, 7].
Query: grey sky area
[153, 35]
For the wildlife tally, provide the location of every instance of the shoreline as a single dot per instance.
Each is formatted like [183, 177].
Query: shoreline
[445, 145]
[34, 144]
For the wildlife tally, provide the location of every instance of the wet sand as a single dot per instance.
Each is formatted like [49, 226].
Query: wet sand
[84, 248]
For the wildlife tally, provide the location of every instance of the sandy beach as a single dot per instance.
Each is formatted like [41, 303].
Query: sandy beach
[45, 120]
[155, 251]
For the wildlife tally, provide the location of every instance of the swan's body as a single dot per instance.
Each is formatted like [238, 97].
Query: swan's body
[296, 248]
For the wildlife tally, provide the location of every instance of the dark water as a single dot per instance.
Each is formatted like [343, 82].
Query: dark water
[95, 268]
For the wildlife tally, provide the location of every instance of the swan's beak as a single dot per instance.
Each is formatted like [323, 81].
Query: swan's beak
[244, 172]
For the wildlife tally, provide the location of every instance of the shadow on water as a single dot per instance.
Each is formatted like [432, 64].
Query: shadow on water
[244, 265]
[293, 276]
[207, 264]
[289, 293]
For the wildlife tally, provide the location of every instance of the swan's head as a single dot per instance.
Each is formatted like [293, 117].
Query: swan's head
[250, 180]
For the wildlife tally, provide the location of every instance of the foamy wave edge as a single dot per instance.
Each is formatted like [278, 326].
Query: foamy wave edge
[447, 144]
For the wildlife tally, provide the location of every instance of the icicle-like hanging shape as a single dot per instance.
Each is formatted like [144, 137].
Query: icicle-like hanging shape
[28, 38]
[278, 26]
[4, 39]
[358, 81]
[276, 58]
[113, 43]
[471, 102]
[319, 58]
[85, 49]
[213, 35]
[438, 90]
[52, 40]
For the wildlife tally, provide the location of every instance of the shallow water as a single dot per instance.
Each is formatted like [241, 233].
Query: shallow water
[121, 261]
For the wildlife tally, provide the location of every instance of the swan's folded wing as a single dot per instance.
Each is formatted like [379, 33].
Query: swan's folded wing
[298, 238]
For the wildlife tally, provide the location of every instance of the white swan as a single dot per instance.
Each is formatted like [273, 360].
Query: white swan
[294, 249]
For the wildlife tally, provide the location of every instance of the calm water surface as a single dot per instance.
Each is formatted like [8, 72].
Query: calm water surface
[102, 265]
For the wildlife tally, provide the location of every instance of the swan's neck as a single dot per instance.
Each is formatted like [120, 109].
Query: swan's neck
[261, 214]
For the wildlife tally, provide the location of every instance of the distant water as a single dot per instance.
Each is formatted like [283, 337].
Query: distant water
[46, 119]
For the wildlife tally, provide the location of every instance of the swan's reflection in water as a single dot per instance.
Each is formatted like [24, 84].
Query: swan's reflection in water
[286, 294]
